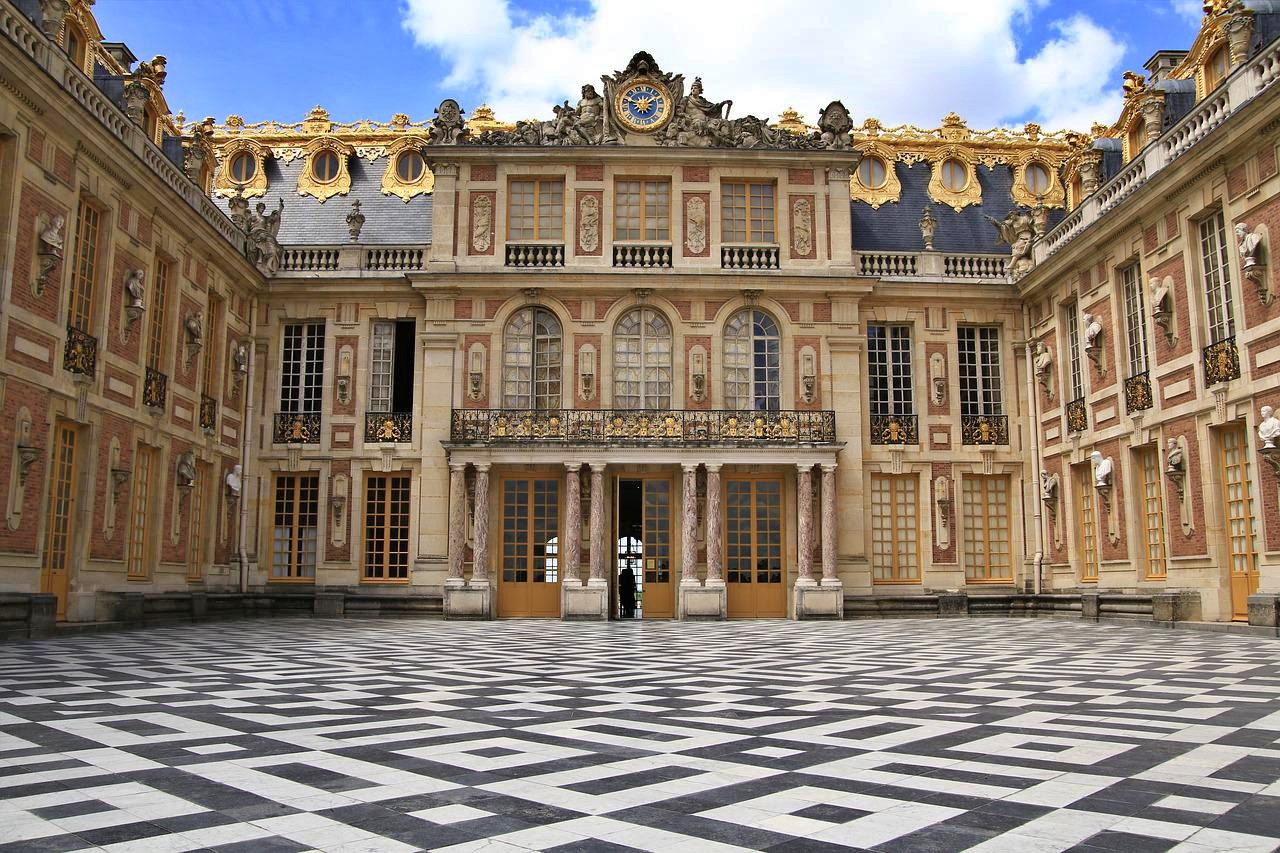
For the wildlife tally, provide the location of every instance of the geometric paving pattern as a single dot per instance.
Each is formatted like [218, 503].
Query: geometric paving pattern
[1026, 736]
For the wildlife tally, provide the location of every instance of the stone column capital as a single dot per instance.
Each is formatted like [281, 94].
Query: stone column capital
[687, 467]
[828, 467]
[482, 467]
[573, 466]
[457, 466]
[713, 467]
[597, 468]
[804, 467]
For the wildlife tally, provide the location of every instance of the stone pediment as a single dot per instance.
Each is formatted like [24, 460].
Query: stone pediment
[644, 105]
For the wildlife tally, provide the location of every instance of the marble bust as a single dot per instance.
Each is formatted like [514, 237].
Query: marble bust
[1101, 469]
[1269, 428]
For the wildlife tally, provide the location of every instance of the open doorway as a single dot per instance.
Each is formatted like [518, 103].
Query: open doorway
[642, 570]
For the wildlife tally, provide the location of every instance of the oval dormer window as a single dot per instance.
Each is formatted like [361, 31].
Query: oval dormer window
[1036, 179]
[955, 176]
[243, 167]
[325, 167]
[410, 166]
[872, 173]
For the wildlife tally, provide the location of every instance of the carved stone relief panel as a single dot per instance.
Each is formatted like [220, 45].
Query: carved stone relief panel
[697, 242]
[481, 241]
[588, 224]
[803, 242]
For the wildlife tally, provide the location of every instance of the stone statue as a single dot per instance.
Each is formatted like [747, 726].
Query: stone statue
[834, 125]
[193, 325]
[589, 126]
[134, 288]
[355, 220]
[1048, 487]
[700, 123]
[448, 127]
[1039, 221]
[1249, 244]
[1101, 470]
[240, 358]
[264, 245]
[51, 239]
[52, 14]
[1044, 366]
[1092, 329]
[234, 482]
[1090, 171]
[1269, 428]
[186, 470]
[1017, 231]
[928, 227]
[238, 208]
[1174, 462]
[1160, 303]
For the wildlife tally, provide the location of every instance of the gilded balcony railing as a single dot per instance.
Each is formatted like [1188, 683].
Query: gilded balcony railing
[894, 429]
[1221, 361]
[389, 427]
[296, 428]
[1077, 415]
[984, 429]
[81, 352]
[1137, 393]
[155, 389]
[663, 428]
[208, 413]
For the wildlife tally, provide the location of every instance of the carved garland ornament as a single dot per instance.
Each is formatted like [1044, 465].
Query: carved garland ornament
[391, 181]
[322, 191]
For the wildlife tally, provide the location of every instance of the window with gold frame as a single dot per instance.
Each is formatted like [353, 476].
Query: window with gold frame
[985, 511]
[1155, 567]
[156, 315]
[386, 527]
[144, 469]
[1217, 67]
[895, 526]
[535, 209]
[642, 210]
[295, 531]
[198, 526]
[747, 213]
[1087, 524]
[86, 257]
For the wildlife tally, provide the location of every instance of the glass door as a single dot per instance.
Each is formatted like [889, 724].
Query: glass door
[643, 577]
[754, 571]
[529, 584]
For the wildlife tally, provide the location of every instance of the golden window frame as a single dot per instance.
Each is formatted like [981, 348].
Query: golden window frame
[393, 184]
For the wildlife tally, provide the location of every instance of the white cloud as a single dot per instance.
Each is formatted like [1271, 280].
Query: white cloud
[907, 61]
[1192, 11]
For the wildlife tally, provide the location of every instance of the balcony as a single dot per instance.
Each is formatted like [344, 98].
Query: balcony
[296, 428]
[155, 389]
[534, 255]
[208, 414]
[647, 428]
[894, 429]
[1221, 361]
[1137, 393]
[641, 256]
[388, 427]
[749, 257]
[80, 356]
[1077, 415]
[984, 430]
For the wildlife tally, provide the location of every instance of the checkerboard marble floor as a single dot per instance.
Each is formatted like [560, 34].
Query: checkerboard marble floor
[1025, 736]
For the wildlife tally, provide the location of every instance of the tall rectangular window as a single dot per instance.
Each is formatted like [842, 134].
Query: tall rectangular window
[297, 511]
[535, 210]
[386, 527]
[1215, 266]
[213, 345]
[1135, 315]
[198, 530]
[985, 508]
[302, 368]
[1075, 373]
[747, 212]
[1087, 519]
[391, 366]
[889, 364]
[156, 314]
[138, 567]
[980, 392]
[895, 544]
[85, 258]
[1153, 511]
[642, 210]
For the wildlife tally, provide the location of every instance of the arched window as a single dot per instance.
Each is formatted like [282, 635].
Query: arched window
[955, 176]
[1216, 68]
[872, 173]
[531, 359]
[325, 167]
[752, 361]
[243, 167]
[642, 361]
[1036, 179]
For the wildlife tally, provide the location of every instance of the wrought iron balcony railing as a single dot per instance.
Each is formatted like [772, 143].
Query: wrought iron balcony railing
[984, 429]
[208, 413]
[642, 255]
[1077, 415]
[81, 352]
[388, 427]
[894, 429]
[1137, 393]
[534, 255]
[296, 428]
[155, 389]
[1221, 361]
[653, 428]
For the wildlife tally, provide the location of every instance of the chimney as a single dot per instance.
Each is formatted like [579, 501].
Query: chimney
[1161, 63]
[120, 52]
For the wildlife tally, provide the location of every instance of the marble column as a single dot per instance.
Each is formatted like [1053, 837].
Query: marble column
[457, 521]
[597, 526]
[804, 525]
[480, 523]
[689, 526]
[572, 551]
[715, 529]
[829, 575]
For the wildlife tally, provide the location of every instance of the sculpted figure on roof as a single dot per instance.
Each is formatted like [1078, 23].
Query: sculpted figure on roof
[264, 245]
[1017, 231]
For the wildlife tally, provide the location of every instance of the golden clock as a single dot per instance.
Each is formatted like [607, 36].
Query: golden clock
[643, 106]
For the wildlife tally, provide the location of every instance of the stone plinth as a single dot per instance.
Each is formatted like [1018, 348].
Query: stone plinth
[952, 605]
[819, 602]
[199, 605]
[709, 602]
[1181, 606]
[118, 607]
[330, 604]
[1089, 605]
[42, 611]
[82, 607]
[584, 603]
[468, 602]
[1264, 609]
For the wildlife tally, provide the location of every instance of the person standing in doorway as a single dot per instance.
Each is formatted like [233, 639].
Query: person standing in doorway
[627, 592]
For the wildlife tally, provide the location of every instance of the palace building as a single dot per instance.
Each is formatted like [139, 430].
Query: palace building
[643, 358]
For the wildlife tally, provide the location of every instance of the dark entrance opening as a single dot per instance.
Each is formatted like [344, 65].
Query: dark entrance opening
[630, 579]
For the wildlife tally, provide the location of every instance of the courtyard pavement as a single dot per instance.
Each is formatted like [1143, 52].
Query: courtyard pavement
[1024, 736]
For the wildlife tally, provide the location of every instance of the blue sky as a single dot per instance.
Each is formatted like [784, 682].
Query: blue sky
[993, 61]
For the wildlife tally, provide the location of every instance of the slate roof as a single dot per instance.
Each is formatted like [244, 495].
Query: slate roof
[308, 222]
[894, 226]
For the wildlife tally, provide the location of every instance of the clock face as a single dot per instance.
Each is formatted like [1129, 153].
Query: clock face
[643, 106]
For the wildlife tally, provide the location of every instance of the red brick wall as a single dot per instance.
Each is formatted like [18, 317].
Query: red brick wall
[579, 341]
[1174, 268]
[1255, 313]
[483, 401]
[35, 399]
[1057, 553]
[943, 555]
[945, 407]
[697, 174]
[184, 374]
[99, 547]
[691, 341]
[1120, 549]
[355, 495]
[802, 341]
[223, 512]
[1047, 404]
[484, 172]
[16, 330]
[589, 171]
[125, 262]
[31, 206]
[166, 476]
[1265, 343]
[340, 341]
[1181, 545]
[800, 176]
[1187, 373]
[1108, 343]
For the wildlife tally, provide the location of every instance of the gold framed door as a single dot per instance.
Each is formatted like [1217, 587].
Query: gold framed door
[642, 522]
[1237, 497]
[753, 567]
[529, 575]
[55, 569]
